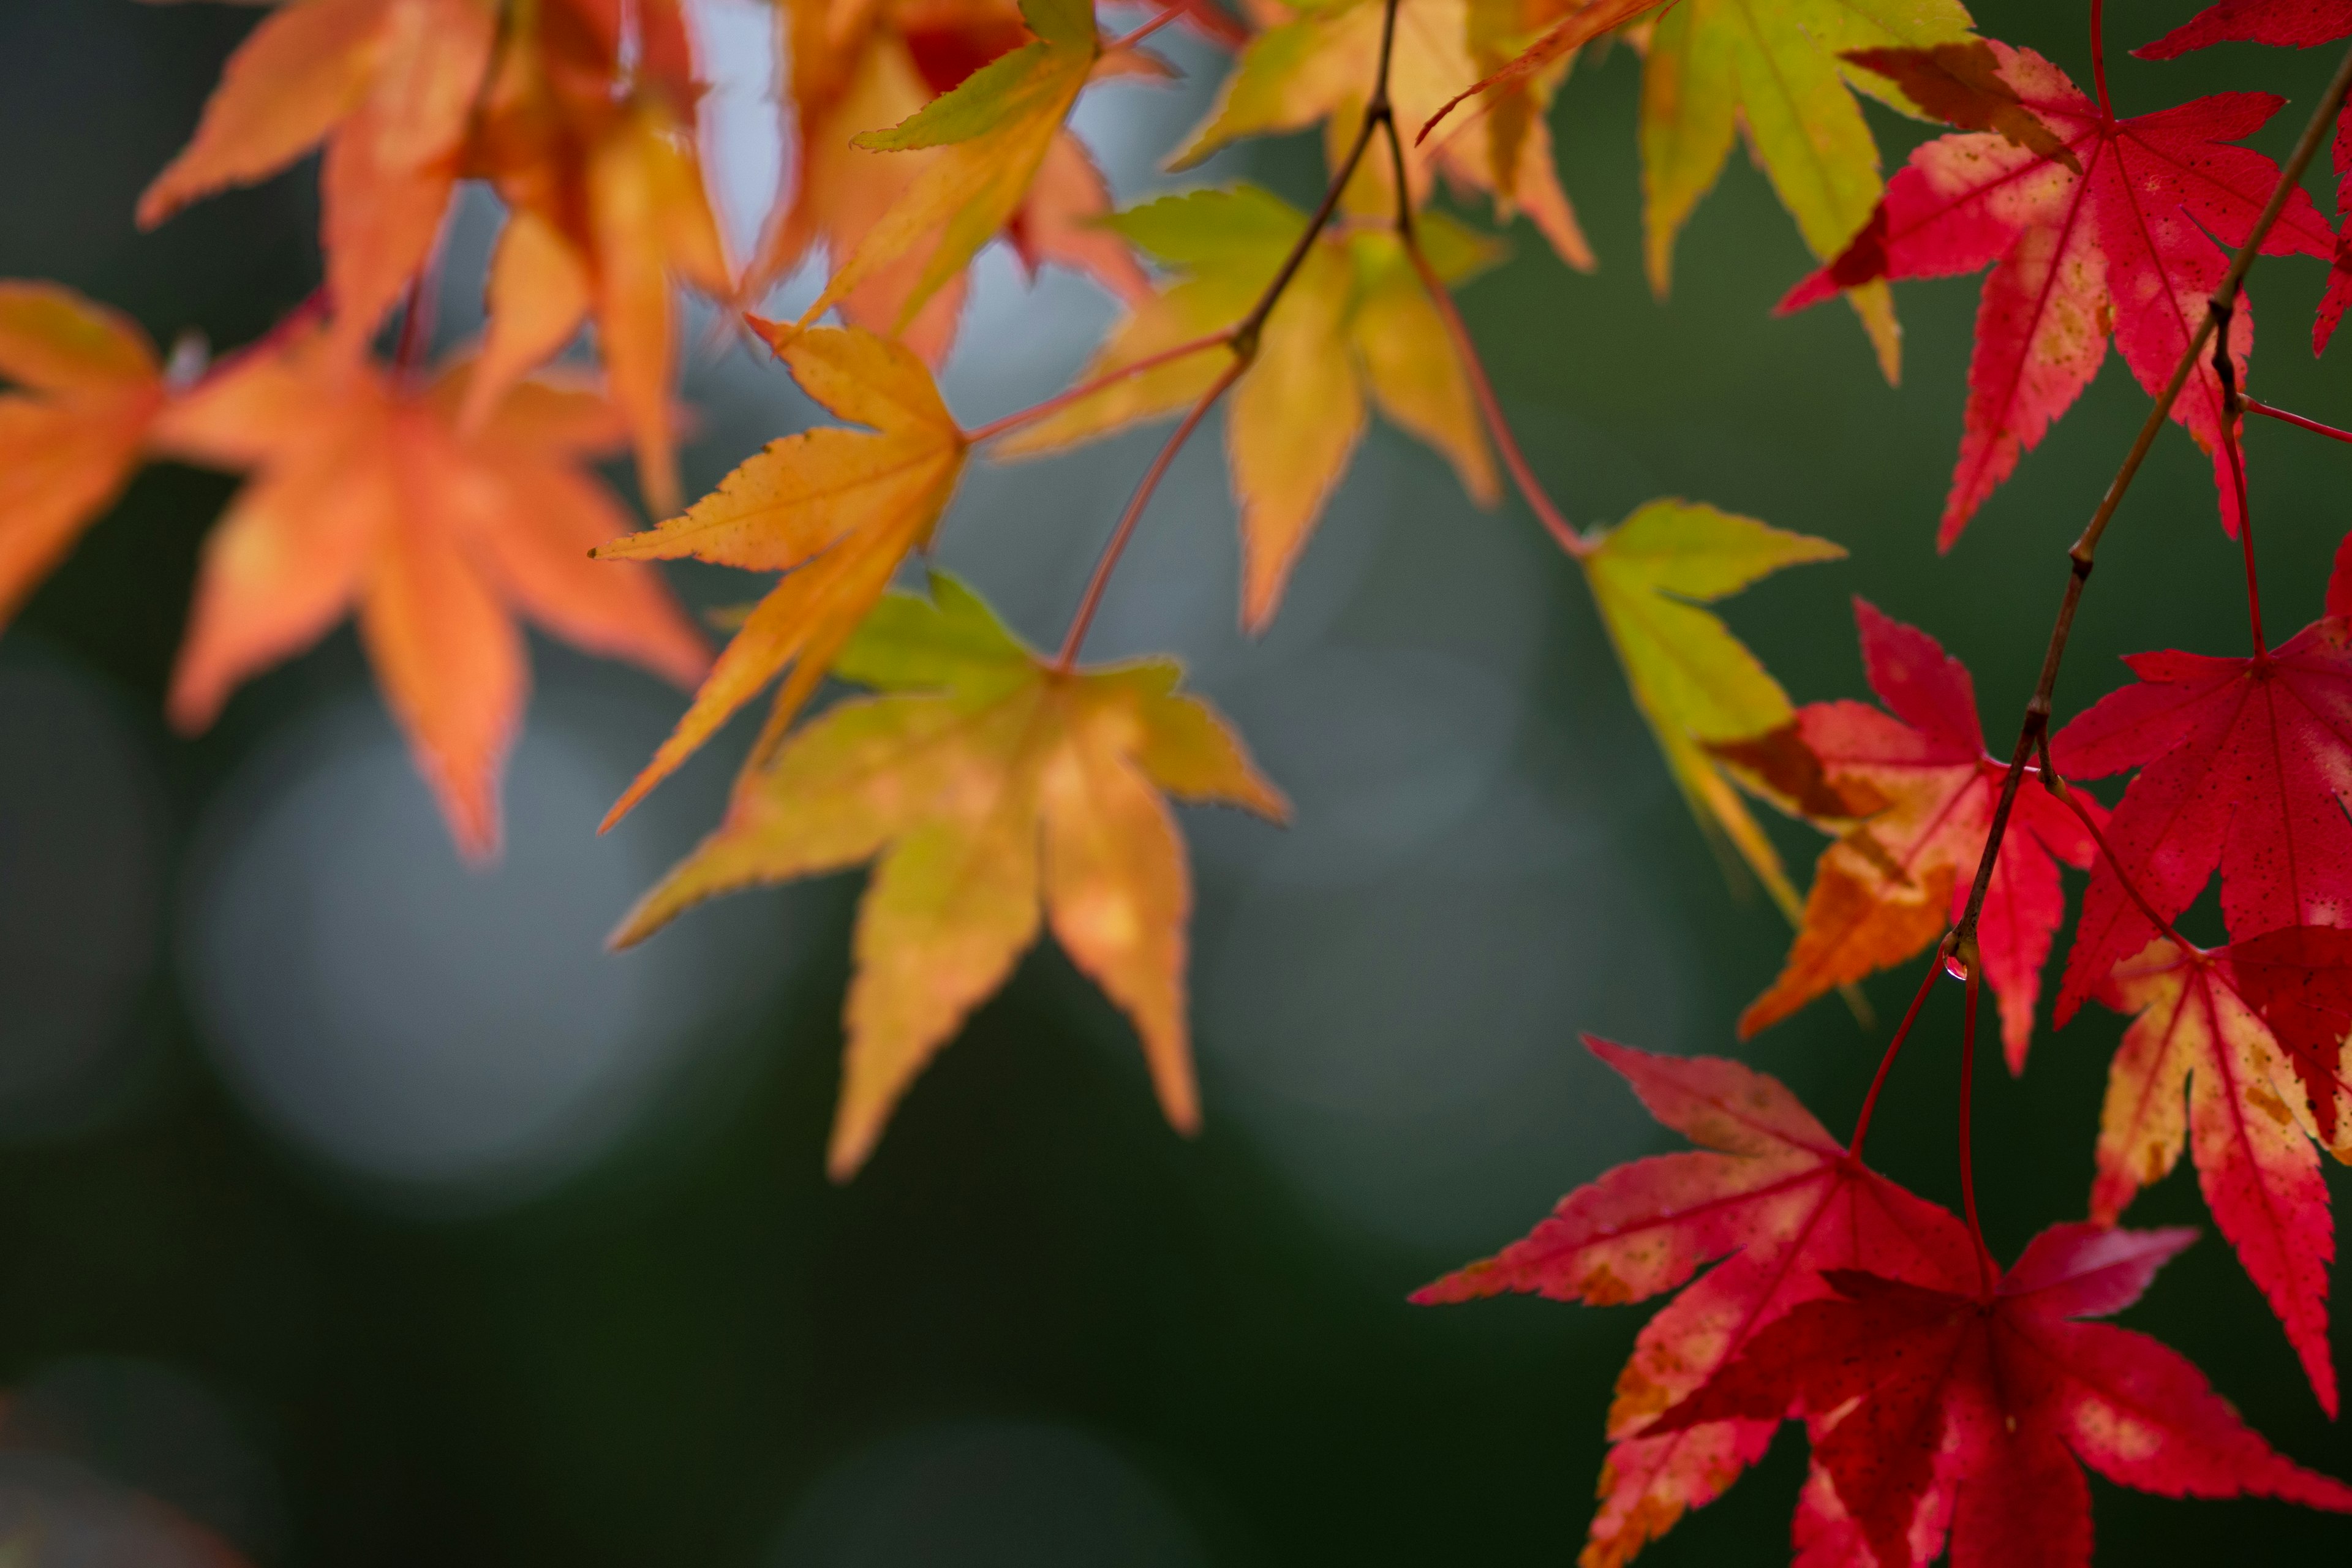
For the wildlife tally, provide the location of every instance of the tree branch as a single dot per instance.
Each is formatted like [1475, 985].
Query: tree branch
[2083, 552]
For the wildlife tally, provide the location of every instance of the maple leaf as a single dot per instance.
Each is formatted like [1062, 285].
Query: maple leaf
[389, 86]
[1693, 680]
[366, 494]
[879, 66]
[1316, 63]
[1960, 85]
[1931, 1409]
[2218, 1025]
[1355, 323]
[989, 785]
[2295, 24]
[2126, 247]
[992, 134]
[69, 441]
[1771, 1195]
[586, 131]
[1918, 776]
[835, 511]
[2245, 765]
[1778, 72]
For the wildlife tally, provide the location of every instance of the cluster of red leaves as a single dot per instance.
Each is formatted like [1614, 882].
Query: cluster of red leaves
[1941, 1401]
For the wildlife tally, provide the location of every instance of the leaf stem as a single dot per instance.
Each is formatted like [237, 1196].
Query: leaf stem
[2083, 551]
[1482, 388]
[1901, 1033]
[2253, 404]
[1242, 338]
[2099, 58]
[2226, 372]
[1077, 636]
[2066, 797]
[1973, 959]
[1086, 389]
[416, 327]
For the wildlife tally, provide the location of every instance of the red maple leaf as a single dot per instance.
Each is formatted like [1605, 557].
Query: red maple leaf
[1933, 1410]
[2123, 248]
[1776, 1198]
[1900, 877]
[2245, 764]
[2244, 1030]
[2292, 23]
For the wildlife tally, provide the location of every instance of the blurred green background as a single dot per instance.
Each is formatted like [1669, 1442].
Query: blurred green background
[360, 1207]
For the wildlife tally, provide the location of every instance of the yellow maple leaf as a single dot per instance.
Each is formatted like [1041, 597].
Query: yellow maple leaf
[1775, 69]
[835, 511]
[1693, 680]
[994, 790]
[1355, 324]
[1317, 66]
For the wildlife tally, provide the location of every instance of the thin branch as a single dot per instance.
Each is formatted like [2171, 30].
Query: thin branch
[1482, 388]
[2225, 370]
[1974, 960]
[2085, 549]
[1902, 1032]
[1242, 338]
[2254, 404]
[1134, 512]
[1128, 40]
[1086, 389]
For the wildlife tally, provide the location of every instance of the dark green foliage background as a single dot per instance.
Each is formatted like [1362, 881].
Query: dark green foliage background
[651, 1363]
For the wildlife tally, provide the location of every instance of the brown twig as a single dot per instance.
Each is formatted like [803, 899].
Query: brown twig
[2225, 370]
[1116, 545]
[2084, 551]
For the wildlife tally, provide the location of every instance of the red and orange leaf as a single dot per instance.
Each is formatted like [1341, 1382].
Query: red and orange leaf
[987, 141]
[609, 213]
[71, 438]
[1933, 1409]
[2245, 767]
[366, 496]
[1899, 877]
[2196, 1031]
[1777, 1199]
[390, 86]
[876, 66]
[835, 511]
[2126, 247]
[992, 789]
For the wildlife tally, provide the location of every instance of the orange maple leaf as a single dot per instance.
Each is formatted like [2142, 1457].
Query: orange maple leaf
[366, 493]
[70, 440]
[835, 511]
[876, 68]
[586, 131]
[390, 86]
